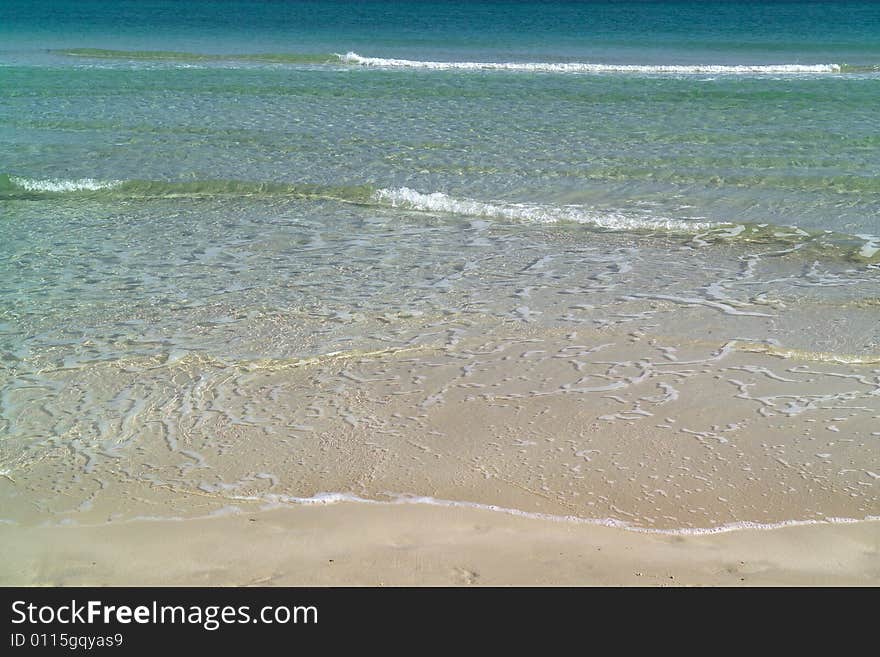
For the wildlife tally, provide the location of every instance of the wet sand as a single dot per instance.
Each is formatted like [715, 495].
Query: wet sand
[403, 545]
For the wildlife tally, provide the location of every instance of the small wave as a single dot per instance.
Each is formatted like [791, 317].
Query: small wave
[581, 67]
[404, 197]
[272, 501]
[871, 246]
[195, 58]
[62, 185]
[860, 248]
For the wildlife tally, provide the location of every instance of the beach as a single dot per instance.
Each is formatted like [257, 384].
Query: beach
[412, 545]
[356, 299]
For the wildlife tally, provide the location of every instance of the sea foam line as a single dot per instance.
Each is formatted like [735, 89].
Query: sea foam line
[407, 198]
[582, 67]
[274, 501]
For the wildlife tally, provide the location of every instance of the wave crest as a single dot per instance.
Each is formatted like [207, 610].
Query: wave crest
[62, 185]
[405, 197]
[582, 67]
[861, 248]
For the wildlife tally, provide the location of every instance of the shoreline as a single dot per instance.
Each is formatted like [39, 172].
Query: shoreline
[532, 424]
[356, 544]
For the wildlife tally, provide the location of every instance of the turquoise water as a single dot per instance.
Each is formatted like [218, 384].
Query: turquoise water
[175, 91]
[253, 180]
[643, 31]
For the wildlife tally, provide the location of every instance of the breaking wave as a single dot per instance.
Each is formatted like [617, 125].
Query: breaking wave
[582, 67]
[353, 58]
[862, 247]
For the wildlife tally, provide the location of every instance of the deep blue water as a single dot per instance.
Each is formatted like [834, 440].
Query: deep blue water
[738, 31]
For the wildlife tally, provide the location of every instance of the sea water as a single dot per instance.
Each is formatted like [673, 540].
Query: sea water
[266, 250]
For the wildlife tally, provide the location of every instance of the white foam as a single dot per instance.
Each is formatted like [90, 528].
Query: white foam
[62, 185]
[732, 232]
[274, 501]
[405, 197]
[582, 67]
[336, 498]
[871, 246]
